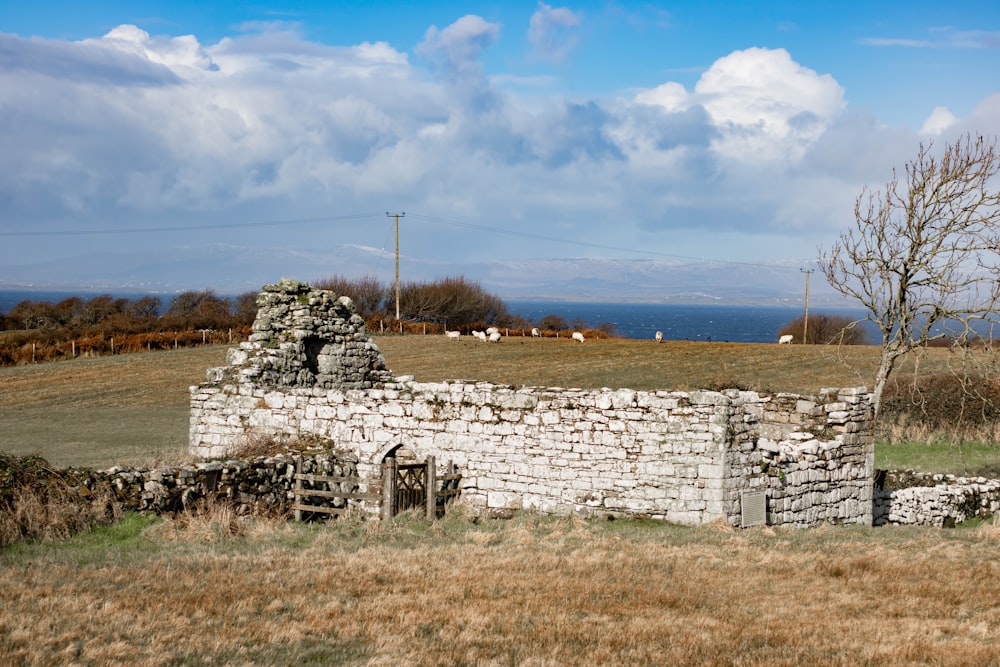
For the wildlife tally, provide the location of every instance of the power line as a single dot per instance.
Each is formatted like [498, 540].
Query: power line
[190, 228]
[361, 216]
[587, 244]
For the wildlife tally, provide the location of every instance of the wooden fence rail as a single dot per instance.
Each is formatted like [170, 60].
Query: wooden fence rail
[300, 505]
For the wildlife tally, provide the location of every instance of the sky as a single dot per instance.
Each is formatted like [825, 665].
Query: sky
[217, 144]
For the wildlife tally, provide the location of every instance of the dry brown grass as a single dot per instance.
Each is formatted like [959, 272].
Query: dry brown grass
[531, 591]
[635, 364]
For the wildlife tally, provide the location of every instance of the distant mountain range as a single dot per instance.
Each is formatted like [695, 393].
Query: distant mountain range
[230, 269]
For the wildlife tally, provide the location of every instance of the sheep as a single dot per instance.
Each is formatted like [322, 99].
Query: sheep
[491, 331]
[453, 334]
[479, 335]
[787, 338]
[577, 336]
[658, 336]
[535, 333]
[495, 337]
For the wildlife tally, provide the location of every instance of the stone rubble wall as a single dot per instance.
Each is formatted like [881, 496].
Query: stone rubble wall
[304, 337]
[679, 456]
[259, 485]
[933, 499]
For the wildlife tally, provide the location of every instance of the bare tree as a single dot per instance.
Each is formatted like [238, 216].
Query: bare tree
[924, 255]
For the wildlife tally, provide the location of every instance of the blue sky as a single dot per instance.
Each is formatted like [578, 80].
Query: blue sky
[517, 136]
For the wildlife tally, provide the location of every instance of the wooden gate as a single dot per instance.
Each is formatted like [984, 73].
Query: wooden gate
[414, 485]
[404, 486]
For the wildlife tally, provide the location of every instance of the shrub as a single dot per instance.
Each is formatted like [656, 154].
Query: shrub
[827, 329]
[553, 323]
[942, 401]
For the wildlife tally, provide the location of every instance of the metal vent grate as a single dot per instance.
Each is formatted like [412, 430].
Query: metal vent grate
[753, 508]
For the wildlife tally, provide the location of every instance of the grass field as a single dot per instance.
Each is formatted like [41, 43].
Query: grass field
[103, 411]
[213, 588]
[529, 591]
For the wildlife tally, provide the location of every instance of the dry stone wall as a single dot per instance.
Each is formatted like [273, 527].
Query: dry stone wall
[251, 486]
[686, 457]
[910, 498]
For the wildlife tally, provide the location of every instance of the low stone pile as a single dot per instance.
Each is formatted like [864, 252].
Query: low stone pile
[911, 498]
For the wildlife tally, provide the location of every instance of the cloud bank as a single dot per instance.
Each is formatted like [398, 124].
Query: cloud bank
[761, 159]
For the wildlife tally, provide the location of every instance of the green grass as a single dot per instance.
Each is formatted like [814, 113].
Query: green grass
[118, 542]
[967, 459]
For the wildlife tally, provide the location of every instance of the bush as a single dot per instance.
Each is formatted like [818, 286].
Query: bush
[827, 329]
[942, 401]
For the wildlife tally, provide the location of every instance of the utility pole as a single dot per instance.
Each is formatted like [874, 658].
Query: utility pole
[805, 317]
[397, 216]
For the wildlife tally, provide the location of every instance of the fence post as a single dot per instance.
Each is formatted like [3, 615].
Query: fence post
[430, 486]
[389, 472]
[112, 345]
[298, 487]
[74, 348]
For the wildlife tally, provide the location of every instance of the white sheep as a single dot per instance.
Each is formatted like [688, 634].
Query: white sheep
[784, 340]
[658, 336]
[479, 335]
[453, 334]
[577, 336]
[495, 337]
[491, 331]
[535, 333]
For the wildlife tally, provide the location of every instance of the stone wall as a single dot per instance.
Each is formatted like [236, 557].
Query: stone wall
[680, 456]
[252, 486]
[686, 457]
[909, 498]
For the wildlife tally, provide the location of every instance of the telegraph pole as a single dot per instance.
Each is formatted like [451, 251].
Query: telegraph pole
[805, 317]
[397, 216]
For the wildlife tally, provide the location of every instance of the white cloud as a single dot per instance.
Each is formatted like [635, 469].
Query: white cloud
[174, 52]
[939, 121]
[552, 32]
[458, 46]
[943, 37]
[763, 104]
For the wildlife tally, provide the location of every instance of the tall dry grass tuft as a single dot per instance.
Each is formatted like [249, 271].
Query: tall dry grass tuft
[212, 520]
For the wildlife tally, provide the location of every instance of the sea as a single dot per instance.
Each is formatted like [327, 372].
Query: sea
[695, 322]
[709, 322]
